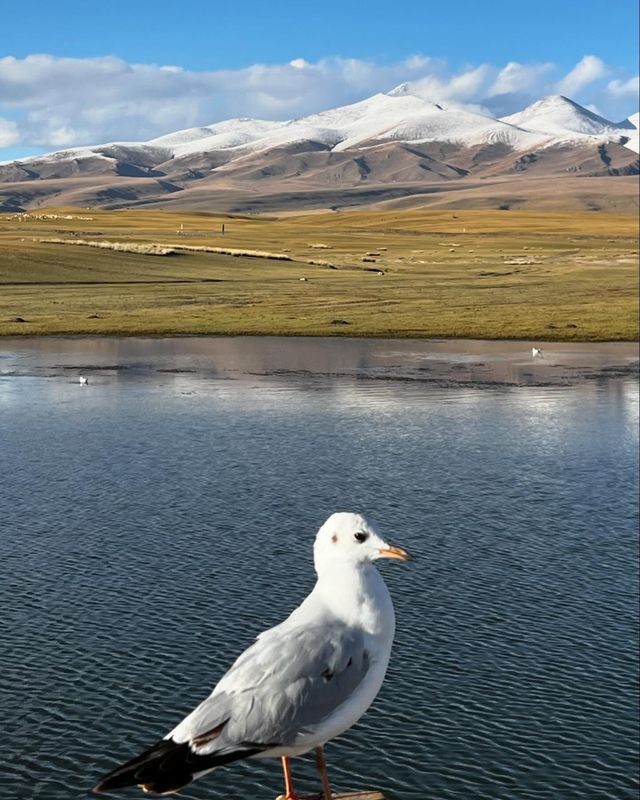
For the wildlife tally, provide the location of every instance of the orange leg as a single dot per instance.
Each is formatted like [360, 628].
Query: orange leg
[322, 769]
[289, 792]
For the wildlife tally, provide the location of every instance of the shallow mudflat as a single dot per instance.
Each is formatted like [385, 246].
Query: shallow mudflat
[437, 362]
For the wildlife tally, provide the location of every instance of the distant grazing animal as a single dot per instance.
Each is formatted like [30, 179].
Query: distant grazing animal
[536, 352]
[83, 381]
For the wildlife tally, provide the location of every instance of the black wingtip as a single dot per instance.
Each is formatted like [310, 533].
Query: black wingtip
[161, 768]
[99, 788]
[107, 785]
[167, 767]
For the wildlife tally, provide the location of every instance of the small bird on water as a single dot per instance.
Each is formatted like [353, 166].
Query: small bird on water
[301, 684]
[83, 381]
[536, 352]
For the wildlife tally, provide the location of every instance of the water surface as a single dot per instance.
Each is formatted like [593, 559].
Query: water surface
[154, 521]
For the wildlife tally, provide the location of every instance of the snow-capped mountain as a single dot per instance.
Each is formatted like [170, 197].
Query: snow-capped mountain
[634, 120]
[559, 116]
[398, 138]
[631, 128]
[220, 136]
[398, 115]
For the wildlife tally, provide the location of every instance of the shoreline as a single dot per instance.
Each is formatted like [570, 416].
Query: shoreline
[439, 363]
[338, 334]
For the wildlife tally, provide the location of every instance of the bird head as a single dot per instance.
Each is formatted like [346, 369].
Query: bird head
[350, 538]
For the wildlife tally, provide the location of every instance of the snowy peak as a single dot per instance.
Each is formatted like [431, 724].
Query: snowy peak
[630, 129]
[229, 134]
[399, 91]
[402, 115]
[560, 115]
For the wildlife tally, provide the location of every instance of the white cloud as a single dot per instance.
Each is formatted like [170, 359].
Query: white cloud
[516, 78]
[416, 62]
[619, 88]
[586, 71]
[58, 102]
[9, 133]
[75, 101]
[467, 86]
[472, 83]
[64, 136]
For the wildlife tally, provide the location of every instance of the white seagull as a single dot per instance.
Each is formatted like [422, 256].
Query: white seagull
[83, 381]
[536, 352]
[301, 683]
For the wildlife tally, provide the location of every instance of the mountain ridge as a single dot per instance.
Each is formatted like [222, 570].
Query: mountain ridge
[392, 139]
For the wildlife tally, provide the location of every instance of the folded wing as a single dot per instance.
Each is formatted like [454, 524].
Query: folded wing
[287, 683]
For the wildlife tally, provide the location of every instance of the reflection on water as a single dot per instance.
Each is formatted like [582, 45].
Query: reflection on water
[444, 361]
[144, 514]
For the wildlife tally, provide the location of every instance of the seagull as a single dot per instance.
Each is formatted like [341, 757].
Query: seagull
[301, 683]
[83, 381]
[536, 352]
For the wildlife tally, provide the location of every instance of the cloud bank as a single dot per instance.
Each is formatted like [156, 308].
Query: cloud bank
[50, 103]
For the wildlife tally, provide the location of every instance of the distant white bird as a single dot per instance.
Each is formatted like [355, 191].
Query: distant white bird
[300, 685]
[83, 381]
[536, 352]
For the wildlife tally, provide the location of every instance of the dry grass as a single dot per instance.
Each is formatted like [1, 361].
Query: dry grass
[231, 251]
[486, 274]
[121, 247]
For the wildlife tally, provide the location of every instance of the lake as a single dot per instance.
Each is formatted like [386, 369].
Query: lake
[155, 520]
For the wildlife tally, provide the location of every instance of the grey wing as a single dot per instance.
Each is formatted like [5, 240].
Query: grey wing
[284, 685]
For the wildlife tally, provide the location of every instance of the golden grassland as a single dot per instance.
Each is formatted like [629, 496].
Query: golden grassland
[482, 274]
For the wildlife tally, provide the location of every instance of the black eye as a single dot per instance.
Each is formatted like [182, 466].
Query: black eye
[361, 536]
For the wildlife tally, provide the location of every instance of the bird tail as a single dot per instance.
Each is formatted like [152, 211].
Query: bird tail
[166, 767]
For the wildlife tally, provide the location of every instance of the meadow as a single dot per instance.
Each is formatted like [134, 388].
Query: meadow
[410, 273]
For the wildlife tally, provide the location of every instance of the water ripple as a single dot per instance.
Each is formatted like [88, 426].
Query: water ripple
[146, 540]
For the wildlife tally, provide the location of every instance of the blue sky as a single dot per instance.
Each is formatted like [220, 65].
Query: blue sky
[99, 76]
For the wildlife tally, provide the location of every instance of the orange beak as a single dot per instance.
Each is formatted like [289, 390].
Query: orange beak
[394, 552]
